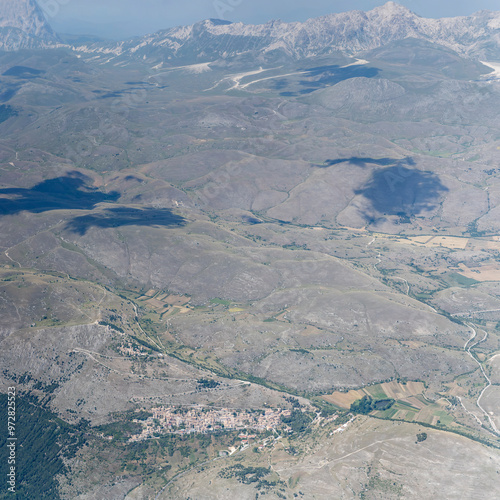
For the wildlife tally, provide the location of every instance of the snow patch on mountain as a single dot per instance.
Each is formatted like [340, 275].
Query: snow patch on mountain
[494, 24]
[495, 74]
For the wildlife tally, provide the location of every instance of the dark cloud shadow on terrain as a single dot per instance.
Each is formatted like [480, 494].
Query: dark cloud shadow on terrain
[6, 112]
[124, 216]
[323, 76]
[69, 192]
[24, 72]
[7, 92]
[330, 75]
[74, 192]
[400, 190]
[362, 162]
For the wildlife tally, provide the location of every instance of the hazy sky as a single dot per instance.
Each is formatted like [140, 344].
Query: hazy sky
[125, 18]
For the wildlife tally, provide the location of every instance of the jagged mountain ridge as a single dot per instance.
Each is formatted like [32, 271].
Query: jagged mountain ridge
[351, 32]
[23, 26]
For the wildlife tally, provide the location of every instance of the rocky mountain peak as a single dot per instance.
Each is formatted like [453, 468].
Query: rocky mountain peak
[27, 16]
[392, 9]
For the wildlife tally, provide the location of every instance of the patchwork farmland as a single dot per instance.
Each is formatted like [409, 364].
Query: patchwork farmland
[410, 403]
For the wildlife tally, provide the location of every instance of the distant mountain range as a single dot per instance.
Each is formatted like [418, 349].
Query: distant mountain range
[22, 25]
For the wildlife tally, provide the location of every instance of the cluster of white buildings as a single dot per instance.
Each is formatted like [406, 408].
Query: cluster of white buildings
[202, 420]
